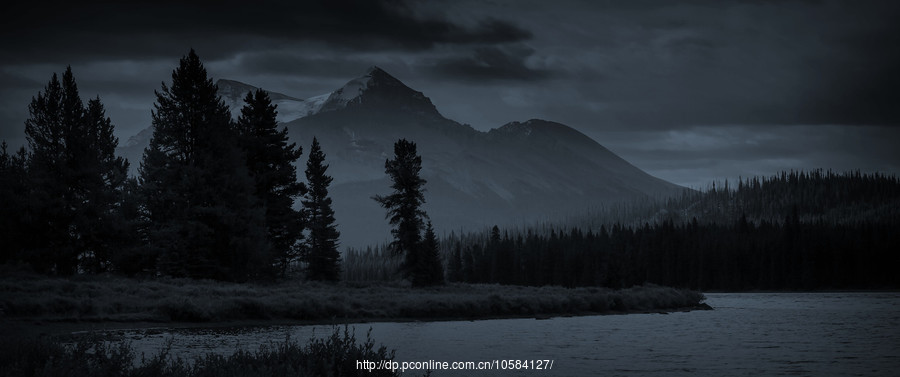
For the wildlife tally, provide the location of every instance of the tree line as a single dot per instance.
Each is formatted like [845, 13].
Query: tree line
[796, 230]
[739, 256]
[214, 199]
[817, 194]
[791, 231]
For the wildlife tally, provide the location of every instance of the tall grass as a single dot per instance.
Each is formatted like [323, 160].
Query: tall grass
[98, 298]
[336, 355]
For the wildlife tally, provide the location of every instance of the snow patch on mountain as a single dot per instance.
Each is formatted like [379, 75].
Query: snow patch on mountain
[289, 108]
[350, 91]
[140, 139]
[315, 103]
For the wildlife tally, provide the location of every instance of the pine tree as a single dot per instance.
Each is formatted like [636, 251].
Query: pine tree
[430, 265]
[404, 208]
[13, 197]
[202, 217]
[455, 264]
[131, 257]
[50, 249]
[322, 256]
[270, 161]
[100, 176]
[75, 177]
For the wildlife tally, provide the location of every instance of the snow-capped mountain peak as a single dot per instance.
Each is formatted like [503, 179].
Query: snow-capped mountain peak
[352, 90]
[377, 88]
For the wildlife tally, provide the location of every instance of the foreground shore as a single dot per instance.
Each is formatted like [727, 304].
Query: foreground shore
[42, 305]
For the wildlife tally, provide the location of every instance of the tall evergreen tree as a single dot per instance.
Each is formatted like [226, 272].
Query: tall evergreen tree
[50, 249]
[455, 264]
[430, 266]
[100, 178]
[404, 208]
[75, 177]
[202, 215]
[322, 255]
[13, 199]
[131, 257]
[270, 161]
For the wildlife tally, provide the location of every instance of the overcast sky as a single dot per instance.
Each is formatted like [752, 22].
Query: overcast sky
[690, 91]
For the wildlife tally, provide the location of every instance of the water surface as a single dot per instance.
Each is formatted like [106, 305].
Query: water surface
[749, 334]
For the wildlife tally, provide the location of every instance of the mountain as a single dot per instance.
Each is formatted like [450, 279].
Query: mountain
[289, 108]
[514, 174]
[378, 90]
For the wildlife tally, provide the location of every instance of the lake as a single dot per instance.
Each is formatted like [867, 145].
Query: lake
[748, 334]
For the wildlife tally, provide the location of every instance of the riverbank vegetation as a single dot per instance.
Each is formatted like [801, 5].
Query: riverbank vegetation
[336, 355]
[118, 299]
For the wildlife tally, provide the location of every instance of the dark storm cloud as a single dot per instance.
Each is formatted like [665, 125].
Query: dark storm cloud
[860, 86]
[143, 29]
[12, 81]
[695, 90]
[16, 91]
[290, 63]
[491, 64]
[661, 65]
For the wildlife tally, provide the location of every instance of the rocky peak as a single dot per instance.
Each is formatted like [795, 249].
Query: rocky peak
[378, 90]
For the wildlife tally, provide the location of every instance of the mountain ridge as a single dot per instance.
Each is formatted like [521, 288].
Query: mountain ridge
[518, 172]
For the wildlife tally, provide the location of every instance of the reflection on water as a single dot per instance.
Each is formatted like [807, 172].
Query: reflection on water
[835, 334]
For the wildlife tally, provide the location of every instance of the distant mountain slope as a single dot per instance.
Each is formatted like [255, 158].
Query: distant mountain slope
[289, 108]
[516, 173]
[233, 93]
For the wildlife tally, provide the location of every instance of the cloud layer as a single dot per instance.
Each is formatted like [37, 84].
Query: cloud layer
[626, 73]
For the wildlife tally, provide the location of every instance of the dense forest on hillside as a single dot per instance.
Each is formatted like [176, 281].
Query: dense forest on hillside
[796, 230]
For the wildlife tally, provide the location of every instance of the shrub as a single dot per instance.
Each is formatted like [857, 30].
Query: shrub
[335, 355]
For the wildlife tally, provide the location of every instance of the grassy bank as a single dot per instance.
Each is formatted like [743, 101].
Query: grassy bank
[336, 355]
[115, 299]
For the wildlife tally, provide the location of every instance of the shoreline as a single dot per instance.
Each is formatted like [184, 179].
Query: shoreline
[54, 328]
[885, 290]
[42, 305]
